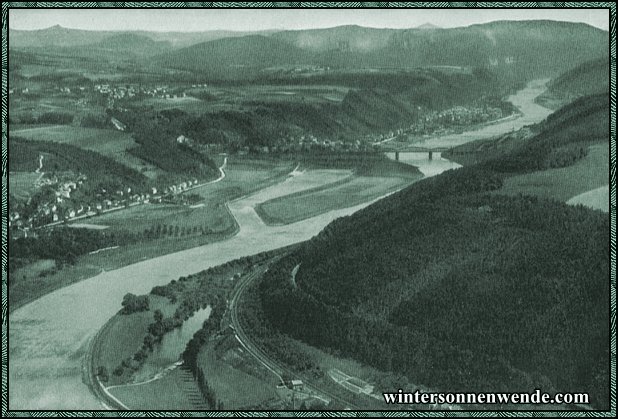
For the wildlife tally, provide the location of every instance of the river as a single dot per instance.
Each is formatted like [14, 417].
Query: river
[49, 337]
[531, 113]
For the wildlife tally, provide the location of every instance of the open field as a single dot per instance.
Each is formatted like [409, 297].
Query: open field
[299, 206]
[591, 172]
[137, 219]
[27, 286]
[123, 335]
[38, 268]
[244, 176]
[21, 184]
[234, 387]
[596, 198]
[175, 389]
[104, 141]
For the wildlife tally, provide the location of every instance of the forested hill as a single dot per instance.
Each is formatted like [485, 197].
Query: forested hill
[502, 46]
[460, 288]
[587, 78]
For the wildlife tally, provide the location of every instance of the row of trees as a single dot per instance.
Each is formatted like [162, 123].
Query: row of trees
[65, 244]
[207, 391]
[165, 230]
[209, 328]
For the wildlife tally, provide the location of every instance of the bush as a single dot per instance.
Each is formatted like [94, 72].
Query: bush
[133, 304]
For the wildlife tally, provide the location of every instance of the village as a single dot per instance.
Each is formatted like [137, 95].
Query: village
[57, 202]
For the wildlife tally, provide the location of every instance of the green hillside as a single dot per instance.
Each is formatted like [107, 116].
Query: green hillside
[231, 58]
[460, 288]
[587, 78]
[60, 157]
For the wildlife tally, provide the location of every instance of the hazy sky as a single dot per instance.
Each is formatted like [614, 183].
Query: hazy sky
[251, 20]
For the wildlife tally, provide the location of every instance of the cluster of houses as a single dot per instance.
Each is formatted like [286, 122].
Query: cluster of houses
[64, 208]
[437, 122]
[125, 91]
[181, 187]
[307, 143]
[117, 92]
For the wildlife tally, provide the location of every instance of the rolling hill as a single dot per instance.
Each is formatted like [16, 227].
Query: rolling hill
[58, 36]
[587, 78]
[460, 288]
[503, 46]
[234, 57]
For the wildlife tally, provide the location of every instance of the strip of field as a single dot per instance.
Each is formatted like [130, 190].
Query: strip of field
[139, 218]
[301, 182]
[175, 389]
[589, 173]
[122, 337]
[302, 205]
[596, 198]
[88, 226]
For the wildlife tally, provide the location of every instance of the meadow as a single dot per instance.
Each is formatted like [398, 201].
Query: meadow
[225, 368]
[211, 217]
[306, 204]
[122, 337]
[175, 389]
[589, 173]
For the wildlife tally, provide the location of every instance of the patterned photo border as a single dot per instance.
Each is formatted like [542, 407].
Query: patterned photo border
[563, 5]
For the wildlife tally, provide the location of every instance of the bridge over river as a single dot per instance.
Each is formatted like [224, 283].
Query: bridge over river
[407, 150]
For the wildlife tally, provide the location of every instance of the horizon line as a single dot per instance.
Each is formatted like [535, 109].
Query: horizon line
[419, 27]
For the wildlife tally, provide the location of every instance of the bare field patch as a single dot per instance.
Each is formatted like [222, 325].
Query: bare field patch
[176, 390]
[564, 183]
[296, 207]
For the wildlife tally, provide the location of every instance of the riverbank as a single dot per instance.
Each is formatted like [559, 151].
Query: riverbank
[49, 340]
[112, 259]
[243, 178]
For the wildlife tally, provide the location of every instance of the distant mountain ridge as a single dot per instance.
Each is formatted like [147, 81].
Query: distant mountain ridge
[526, 48]
[502, 46]
[58, 36]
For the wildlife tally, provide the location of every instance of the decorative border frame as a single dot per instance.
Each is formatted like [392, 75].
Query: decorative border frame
[612, 180]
